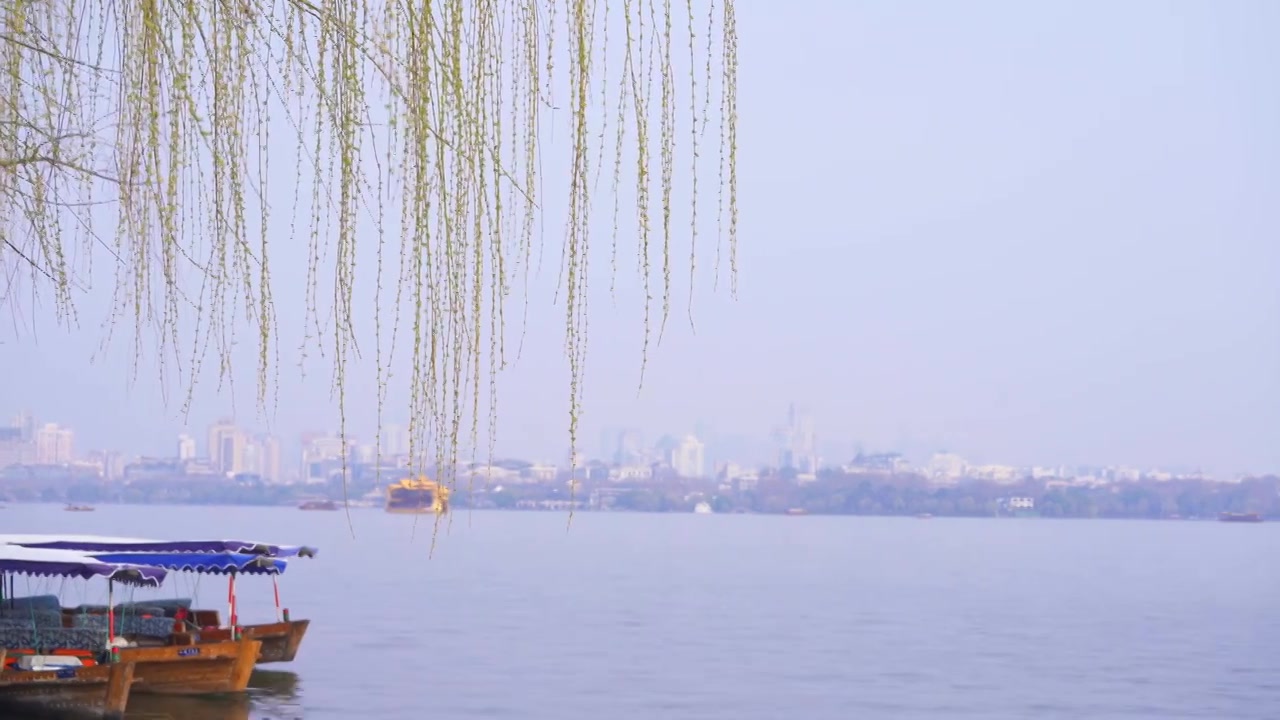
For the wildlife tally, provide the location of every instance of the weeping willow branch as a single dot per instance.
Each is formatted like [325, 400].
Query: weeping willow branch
[429, 113]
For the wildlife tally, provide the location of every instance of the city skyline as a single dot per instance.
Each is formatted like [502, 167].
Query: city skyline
[232, 450]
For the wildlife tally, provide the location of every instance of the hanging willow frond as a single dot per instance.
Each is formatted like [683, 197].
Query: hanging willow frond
[157, 119]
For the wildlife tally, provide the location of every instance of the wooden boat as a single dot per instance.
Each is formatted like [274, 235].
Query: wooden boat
[39, 626]
[318, 505]
[167, 663]
[78, 508]
[168, 669]
[198, 669]
[98, 691]
[81, 685]
[174, 624]
[279, 640]
[1245, 517]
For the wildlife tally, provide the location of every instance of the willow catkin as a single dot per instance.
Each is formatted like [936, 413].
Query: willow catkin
[163, 116]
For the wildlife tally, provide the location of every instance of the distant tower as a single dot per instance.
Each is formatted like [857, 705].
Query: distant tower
[251, 458]
[270, 469]
[53, 445]
[26, 424]
[226, 447]
[688, 459]
[186, 447]
[797, 442]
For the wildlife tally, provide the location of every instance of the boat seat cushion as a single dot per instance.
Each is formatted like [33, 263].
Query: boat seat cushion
[129, 609]
[154, 627]
[168, 605]
[56, 638]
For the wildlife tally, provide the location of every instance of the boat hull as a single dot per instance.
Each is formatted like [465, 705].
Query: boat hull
[200, 669]
[98, 691]
[280, 640]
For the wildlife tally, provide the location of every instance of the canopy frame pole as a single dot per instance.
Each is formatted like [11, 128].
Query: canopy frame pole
[231, 605]
[275, 587]
[111, 618]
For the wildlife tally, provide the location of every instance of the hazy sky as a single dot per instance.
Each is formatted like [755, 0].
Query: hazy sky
[1024, 232]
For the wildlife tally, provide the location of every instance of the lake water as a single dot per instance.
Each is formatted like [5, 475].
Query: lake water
[635, 617]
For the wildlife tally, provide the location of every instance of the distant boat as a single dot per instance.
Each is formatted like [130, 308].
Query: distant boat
[419, 496]
[78, 508]
[797, 511]
[318, 505]
[702, 508]
[1239, 517]
[924, 516]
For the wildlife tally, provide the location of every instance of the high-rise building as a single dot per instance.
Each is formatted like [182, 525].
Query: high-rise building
[53, 445]
[261, 457]
[798, 444]
[317, 450]
[270, 469]
[25, 422]
[226, 447]
[251, 458]
[186, 447]
[14, 450]
[688, 459]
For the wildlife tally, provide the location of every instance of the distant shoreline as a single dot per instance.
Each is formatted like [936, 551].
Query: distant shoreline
[601, 511]
[833, 494]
